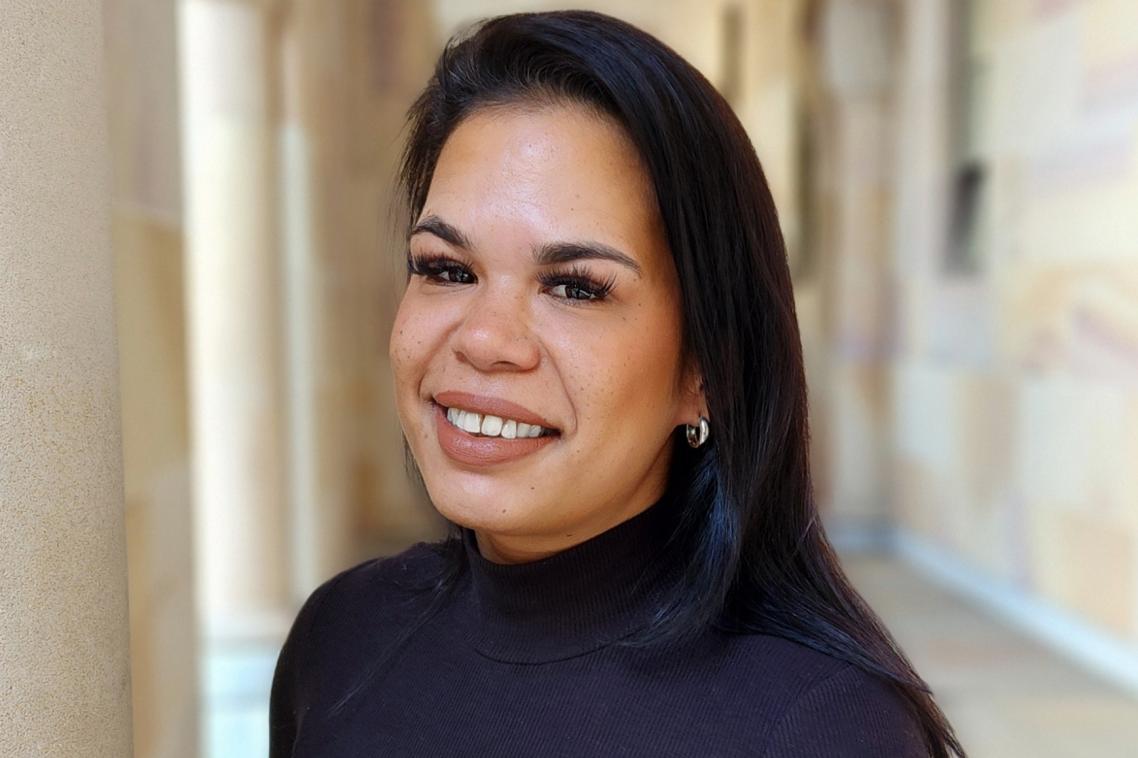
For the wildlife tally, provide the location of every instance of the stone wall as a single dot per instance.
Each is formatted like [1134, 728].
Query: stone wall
[1015, 395]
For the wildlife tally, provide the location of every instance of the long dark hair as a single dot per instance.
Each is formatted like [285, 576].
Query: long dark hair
[755, 555]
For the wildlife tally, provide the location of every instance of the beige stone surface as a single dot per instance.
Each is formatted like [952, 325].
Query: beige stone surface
[64, 667]
[859, 425]
[1017, 380]
[1085, 564]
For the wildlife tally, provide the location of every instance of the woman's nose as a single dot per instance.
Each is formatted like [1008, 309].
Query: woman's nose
[495, 334]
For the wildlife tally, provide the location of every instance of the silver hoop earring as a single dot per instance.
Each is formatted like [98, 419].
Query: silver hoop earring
[697, 435]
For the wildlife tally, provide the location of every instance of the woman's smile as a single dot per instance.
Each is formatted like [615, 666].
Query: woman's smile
[475, 449]
[476, 430]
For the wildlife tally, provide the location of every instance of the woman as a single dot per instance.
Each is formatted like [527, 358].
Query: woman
[599, 377]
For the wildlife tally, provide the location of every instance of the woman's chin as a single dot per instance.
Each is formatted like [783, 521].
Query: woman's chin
[490, 514]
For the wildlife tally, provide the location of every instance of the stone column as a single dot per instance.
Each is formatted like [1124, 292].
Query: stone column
[857, 50]
[233, 273]
[322, 282]
[64, 661]
[146, 232]
[350, 72]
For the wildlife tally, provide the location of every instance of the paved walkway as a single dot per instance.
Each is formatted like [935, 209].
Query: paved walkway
[1007, 695]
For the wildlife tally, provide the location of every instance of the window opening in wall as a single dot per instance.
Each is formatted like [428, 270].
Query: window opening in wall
[967, 244]
[809, 200]
[806, 247]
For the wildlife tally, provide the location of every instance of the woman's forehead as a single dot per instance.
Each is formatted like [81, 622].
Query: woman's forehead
[555, 170]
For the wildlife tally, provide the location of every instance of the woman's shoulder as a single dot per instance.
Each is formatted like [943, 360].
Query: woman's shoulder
[356, 611]
[406, 570]
[366, 602]
[383, 585]
[826, 705]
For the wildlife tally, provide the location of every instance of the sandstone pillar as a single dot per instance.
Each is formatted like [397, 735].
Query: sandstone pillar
[857, 50]
[64, 661]
[146, 233]
[233, 273]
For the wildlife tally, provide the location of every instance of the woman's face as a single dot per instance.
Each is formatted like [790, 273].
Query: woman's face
[543, 292]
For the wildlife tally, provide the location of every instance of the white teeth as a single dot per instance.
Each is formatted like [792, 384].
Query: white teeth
[492, 426]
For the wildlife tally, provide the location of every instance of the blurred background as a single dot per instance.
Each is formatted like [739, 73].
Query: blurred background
[207, 185]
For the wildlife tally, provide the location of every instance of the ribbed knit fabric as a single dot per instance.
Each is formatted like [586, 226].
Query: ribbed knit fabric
[520, 662]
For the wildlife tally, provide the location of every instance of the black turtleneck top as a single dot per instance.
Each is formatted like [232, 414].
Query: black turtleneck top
[519, 661]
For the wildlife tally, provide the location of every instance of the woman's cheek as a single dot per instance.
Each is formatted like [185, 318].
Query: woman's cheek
[398, 352]
[411, 332]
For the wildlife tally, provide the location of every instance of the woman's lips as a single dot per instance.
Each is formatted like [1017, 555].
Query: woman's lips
[482, 451]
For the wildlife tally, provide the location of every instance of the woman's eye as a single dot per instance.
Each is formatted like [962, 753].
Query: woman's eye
[439, 269]
[574, 291]
[454, 274]
[577, 284]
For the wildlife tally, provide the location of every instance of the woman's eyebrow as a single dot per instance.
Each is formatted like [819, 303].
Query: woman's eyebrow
[441, 229]
[548, 254]
[562, 252]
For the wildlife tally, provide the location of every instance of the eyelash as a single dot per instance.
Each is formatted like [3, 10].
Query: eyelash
[433, 266]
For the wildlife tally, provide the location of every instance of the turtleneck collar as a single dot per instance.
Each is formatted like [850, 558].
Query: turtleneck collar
[574, 601]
